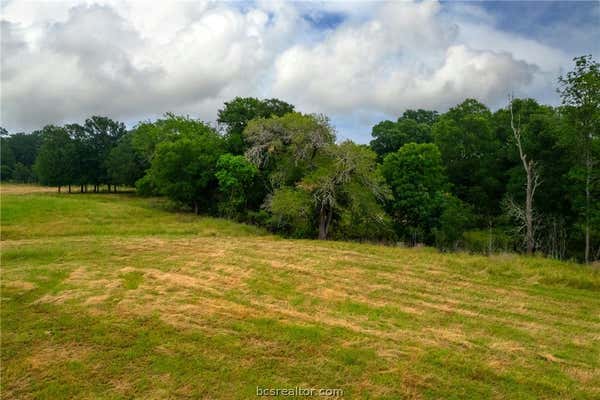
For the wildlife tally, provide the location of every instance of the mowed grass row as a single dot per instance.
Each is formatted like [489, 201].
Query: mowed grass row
[112, 296]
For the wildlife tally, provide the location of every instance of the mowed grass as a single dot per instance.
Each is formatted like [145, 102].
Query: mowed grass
[115, 297]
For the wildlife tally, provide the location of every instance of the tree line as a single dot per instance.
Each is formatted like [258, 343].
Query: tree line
[522, 178]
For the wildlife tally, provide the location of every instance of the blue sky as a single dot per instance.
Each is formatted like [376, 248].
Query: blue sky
[543, 19]
[358, 62]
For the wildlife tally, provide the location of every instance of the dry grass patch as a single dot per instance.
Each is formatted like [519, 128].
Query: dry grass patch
[16, 189]
[20, 285]
[181, 313]
[44, 356]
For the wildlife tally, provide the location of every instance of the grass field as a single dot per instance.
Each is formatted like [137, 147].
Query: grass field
[108, 296]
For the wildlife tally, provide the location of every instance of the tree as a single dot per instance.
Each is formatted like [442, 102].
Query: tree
[292, 212]
[183, 168]
[469, 149]
[99, 135]
[456, 217]
[413, 126]
[284, 148]
[85, 163]
[235, 175]
[531, 184]
[237, 113]
[7, 159]
[22, 173]
[124, 164]
[25, 147]
[416, 176]
[580, 93]
[345, 176]
[56, 159]
[146, 136]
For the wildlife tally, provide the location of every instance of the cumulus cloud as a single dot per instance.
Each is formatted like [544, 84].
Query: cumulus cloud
[406, 56]
[63, 61]
[127, 63]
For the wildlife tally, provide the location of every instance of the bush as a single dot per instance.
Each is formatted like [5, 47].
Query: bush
[145, 186]
[292, 213]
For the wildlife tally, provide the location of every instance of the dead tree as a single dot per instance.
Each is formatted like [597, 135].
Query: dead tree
[531, 184]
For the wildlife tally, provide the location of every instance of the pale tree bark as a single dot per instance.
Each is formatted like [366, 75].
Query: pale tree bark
[531, 184]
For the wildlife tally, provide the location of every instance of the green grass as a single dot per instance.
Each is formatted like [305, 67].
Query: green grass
[115, 297]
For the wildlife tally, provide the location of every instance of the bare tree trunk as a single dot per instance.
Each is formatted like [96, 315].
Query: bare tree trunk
[532, 182]
[196, 208]
[59, 189]
[69, 188]
[529, 208]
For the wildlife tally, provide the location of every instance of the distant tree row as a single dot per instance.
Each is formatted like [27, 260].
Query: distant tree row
[98, 152]
[522, 178]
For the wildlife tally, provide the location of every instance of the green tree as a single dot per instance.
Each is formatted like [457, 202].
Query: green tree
[7, 159]
[413, 126]
[292, 212]
[345, 180]
[539, 132]
[23, 174]
[21, 149]
[284, 148]
[85, 162]
[99, 135]
[236, 176]
[125, 165]
[55, 162]
[456, 217]
[236, 114]
[416, 176]
[183, 168]
[469, 149]
[146, 136]
[580, 93]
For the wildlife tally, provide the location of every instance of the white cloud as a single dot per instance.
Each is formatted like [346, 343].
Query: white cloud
[65, 60]
[406, 56]
[127, 62]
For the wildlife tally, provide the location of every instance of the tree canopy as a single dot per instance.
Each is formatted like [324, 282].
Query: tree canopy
[465, 178]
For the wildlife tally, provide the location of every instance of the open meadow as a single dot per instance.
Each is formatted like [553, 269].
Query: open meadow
[113, 296]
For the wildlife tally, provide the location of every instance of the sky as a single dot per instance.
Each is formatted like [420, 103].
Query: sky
[357, 62]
